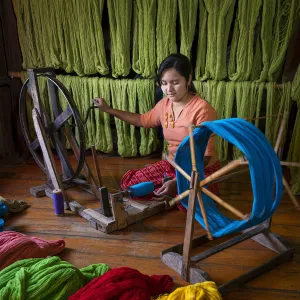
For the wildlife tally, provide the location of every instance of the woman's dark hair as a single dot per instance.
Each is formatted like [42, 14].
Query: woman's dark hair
[181, 64]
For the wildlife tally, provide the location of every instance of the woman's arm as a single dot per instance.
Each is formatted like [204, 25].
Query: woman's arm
[126, 116]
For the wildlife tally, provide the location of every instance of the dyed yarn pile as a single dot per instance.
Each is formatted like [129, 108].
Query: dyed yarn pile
[199, 291]
[15, 246]
[45, 278]
[124, 283]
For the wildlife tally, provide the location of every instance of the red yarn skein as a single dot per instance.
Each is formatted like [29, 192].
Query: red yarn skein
[15, 246]
[124, 283]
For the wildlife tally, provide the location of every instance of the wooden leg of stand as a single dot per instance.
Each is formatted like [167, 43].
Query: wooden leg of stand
[96, 163]
[189, 227]
[47, 153]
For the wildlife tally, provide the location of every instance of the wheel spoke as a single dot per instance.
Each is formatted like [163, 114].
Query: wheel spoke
[62, 118]
[63, 155]
[35, 144]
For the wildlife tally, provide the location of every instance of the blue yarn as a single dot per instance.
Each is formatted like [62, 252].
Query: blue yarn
[1, 225]
[141, 189]
[264, 167]
[3, 211]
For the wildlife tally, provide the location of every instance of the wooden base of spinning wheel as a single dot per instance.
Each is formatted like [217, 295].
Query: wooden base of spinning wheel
[173, 256]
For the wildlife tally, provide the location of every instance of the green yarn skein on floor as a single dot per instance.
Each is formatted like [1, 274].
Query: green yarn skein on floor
[45, 278]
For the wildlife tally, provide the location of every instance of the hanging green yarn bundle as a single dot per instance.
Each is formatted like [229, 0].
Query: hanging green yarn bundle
[227, 113]
[270, 110]
[91, 51]
[83, 90]
[214, 26]
[202, 43]
[188, 16]
[213, 92]
[165, 29]
[103, 137]
[123, 95]
[65, 44]
[220, 91]
[223, 111]
[63, 27]
[200, 88]
[211, 88]
[246, 101]
[248, 96]
[283, 28]
[241, 52]
[146, 101]
[45, 278]
[261, 88]
[119, 13]
[283, 104]
[144, 45]
[25, 33]
[266, 36]
[294, 150]
[296, 86]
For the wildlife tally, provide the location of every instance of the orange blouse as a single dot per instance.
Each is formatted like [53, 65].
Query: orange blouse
[195, 112]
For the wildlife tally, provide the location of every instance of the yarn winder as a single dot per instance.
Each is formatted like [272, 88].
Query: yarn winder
[264, 167]
[116, 211]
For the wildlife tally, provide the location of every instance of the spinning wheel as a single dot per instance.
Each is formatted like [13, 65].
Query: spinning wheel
[112, 213]
[264, 169]
[58, 130]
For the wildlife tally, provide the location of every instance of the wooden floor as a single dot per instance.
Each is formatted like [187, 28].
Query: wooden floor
[139, 245]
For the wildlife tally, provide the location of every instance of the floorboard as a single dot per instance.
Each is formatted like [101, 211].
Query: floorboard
[139, 245]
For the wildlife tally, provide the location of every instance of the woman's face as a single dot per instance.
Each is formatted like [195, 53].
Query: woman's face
[174, 85]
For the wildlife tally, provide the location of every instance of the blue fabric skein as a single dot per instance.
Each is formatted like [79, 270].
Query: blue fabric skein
[264, 165]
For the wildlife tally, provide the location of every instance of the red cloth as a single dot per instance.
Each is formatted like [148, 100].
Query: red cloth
[124, 283]
[15, 246]
[155, 173]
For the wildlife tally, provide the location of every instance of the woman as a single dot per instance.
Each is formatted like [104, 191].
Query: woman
[180, 108]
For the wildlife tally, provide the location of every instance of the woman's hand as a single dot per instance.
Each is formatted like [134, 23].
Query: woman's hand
[101, 103]
[168, 189]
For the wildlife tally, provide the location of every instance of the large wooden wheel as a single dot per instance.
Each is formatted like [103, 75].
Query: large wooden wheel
[58, 129]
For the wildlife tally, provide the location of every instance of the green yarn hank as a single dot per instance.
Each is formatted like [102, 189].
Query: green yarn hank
[45, 279]
[215, 18]
[241, 52]
[119, 13]
[146, 95]
[188, 16]
[63, 43]
[144, 43]
[124, 94]
[165, 29]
